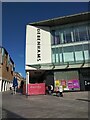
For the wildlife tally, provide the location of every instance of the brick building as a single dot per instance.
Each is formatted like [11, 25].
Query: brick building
[7, 68]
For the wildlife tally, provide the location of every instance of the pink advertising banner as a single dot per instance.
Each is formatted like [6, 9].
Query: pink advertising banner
[35, 89]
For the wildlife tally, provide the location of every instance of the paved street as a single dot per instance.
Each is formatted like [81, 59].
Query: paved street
[72, 105]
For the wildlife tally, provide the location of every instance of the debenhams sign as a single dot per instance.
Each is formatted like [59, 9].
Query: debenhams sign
[38, 45]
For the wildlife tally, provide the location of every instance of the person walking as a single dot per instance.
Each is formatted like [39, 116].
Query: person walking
[15, 85]
[21, 86]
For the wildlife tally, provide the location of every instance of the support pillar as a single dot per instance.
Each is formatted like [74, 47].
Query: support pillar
[3, 86]
[0, 85]
[27, 82]
[6, 86]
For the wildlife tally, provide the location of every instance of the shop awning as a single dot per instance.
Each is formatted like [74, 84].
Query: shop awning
[53, 66]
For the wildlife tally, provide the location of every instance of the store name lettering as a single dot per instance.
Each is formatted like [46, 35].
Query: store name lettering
[38, 45]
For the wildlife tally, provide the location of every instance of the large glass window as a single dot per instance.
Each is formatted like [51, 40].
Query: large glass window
[86, 52]
[89, 31]
[57, 55]
[71, 33]
[68, 54]
[53, 55]
[68, 36]
[53, 37]
[79, 53]
[62, 37]
[57, 38]
[76, 35]
[83, 33]
[60, 55]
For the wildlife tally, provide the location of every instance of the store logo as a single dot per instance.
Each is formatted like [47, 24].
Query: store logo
[38, 45]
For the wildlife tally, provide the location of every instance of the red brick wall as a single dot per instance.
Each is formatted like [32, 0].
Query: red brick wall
[6, 72]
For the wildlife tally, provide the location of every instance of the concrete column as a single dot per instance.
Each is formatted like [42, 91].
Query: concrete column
[0, 85]
[27, 82]
[3, 86]
[6, 86]
[9, 86]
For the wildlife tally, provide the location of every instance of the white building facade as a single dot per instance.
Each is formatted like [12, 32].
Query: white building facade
[58, 51]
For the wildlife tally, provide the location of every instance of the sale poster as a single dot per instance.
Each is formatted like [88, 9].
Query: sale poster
[57, 83]
[73, 84]
[63, 82]
[76, 84]
[70, 84]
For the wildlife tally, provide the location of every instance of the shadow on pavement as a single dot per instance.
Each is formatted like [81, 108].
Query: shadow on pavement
[8, 115]
[87, 100]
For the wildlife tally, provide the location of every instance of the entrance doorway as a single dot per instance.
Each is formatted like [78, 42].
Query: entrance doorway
[84, 79]
[87, 85]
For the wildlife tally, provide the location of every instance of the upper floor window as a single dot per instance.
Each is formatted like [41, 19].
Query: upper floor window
[71, 33]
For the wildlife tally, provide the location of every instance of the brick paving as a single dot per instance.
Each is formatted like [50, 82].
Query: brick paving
[72, 105]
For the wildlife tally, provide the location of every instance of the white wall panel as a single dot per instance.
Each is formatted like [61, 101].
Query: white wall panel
[32, 47]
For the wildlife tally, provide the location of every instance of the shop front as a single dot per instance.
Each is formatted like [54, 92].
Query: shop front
[68, 79]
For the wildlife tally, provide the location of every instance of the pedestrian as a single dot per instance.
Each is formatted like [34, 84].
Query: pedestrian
[51, 89]
[21, 86]
[15, 85]
[46, 89]
[60, 91]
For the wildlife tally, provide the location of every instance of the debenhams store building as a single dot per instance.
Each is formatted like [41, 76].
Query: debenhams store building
[58, 52]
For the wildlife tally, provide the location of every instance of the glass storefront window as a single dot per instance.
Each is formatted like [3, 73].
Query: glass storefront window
[53, 55]
[68, 79]
[76, 35]
[79, 53]
[71, 33]
[83, 33]
[68, 36]
[72, 36]
[60, 55]
[68, 54]
[53, 58]
[57, 38]
[62, 37]
[53, 37]
[57, 56]
[89, 31]
[86, 52]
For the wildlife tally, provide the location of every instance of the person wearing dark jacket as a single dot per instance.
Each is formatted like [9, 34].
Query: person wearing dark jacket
[21, 86]
[15, 85]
